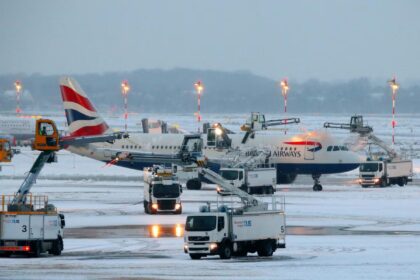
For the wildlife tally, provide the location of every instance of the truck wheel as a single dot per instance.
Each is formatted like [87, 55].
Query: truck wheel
[193, 184]
[401, 182]
[383, 183]
[6, 254]
[57, 247]
[195, 256]
[265, 249]
[226, 251]
[36, 249]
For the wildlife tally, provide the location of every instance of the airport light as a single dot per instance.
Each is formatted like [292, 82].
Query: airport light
[18, 89]
[284, 84]
[394, 88]
[125, 88]
[199, 87]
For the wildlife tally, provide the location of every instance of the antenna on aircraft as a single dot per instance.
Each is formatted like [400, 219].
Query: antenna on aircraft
[394, 88]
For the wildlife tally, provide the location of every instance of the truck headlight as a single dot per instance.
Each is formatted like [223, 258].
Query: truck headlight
[155, 206]
[177, 206]
[213, 246]
[376, 180]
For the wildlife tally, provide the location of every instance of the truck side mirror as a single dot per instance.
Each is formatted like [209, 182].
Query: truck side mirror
[220, 223]
[62, 221]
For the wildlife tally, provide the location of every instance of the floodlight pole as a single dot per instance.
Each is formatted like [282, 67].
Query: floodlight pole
[18, 89]
[199, 87]
[284, 91]
[125, 88]
[394, 88]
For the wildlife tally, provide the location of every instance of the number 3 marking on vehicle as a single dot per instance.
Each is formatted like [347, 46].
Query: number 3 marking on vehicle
[24, 229]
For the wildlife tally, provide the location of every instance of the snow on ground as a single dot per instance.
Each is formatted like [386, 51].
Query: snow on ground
[343, 232]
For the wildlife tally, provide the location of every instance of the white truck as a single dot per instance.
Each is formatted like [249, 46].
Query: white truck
[252, 181]
[229, 231]
[162, 191]
[34, 231]
[385, 173]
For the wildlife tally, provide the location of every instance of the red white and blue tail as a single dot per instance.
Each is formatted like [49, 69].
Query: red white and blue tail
[82, 117]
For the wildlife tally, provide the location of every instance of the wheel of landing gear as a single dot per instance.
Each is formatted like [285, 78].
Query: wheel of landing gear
[194, 184]
[317, 188]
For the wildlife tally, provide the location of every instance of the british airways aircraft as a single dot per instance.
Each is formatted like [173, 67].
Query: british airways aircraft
[312, 153]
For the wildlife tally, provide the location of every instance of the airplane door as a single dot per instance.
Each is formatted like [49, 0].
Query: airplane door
[308, 153]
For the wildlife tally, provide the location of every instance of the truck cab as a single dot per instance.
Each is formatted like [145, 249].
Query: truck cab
[206, 234]
[255, 122]
[162, 191]
[371, 172]
[46, 136]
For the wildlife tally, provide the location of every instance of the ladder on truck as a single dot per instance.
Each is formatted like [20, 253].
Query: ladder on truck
[258, 122]
[356, 125]
[48, 141]
[249, 201]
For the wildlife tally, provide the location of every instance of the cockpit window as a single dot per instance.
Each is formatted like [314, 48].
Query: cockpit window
[329, 149]
[336, 148]
[344, 148]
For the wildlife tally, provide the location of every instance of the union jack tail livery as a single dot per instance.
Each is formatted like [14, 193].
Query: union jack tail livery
[82, 117]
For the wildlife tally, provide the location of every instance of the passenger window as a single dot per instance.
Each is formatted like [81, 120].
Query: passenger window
[380, 167]
[220, 223]
[329, 149]
[241, 175]
[336, 148]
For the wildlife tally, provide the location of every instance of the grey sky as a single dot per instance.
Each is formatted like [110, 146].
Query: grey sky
[298, 39]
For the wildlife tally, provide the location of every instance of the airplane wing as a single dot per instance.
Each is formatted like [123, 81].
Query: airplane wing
[180, 158]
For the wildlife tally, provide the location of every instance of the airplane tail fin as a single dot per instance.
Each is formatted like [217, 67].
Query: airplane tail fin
[82, 117]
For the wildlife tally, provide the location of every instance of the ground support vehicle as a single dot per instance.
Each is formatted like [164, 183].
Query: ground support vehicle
[385, 173]
[162, 191]
[229, 231]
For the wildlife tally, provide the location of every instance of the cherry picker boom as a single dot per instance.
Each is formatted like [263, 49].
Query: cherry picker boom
[29, 224]
[378, 171]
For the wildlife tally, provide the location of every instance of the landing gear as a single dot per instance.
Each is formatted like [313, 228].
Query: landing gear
[317, 186]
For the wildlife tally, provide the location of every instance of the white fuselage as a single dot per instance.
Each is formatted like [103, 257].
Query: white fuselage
[311, 153]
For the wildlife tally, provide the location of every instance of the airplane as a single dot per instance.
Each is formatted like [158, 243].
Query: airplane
[21, 129]
[312, 153]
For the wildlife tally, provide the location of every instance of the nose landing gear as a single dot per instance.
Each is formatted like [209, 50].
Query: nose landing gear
[317, 186]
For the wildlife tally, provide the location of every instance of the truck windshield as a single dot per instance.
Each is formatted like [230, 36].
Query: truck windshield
[200, 223]
[369, 167]
[166, 191]
[229, 174]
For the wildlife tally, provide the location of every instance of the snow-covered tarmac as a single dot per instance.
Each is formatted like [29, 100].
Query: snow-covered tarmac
[343, 232]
